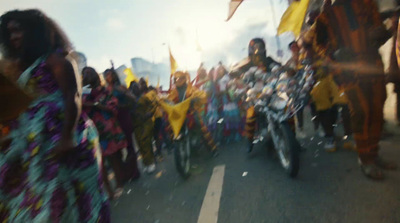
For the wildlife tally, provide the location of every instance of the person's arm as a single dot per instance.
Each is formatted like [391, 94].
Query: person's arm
[66, 78]
[125, 91]
[379, 34]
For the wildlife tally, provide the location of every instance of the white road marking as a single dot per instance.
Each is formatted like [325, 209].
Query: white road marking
[210, 207]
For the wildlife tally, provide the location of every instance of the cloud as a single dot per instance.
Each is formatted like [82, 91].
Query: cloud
[115, 24]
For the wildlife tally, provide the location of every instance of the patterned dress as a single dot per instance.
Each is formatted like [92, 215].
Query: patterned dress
[36, 187]
[112, 138]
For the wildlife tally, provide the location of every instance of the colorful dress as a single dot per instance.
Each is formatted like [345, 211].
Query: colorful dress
[211, 116]
[230, 111]
[112, 138]
[36, 187]
[126, 123]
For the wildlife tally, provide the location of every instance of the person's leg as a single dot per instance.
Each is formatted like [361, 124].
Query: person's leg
[314, 115]
[204, 131]
[250, 127]
[300, 118]
[107, 184]
[376, 121]
[144, 136]
[156, 135]
[345, 113]
[116, 164]
[366, 100]
[131, 164]
[326, 121]
[348, 140]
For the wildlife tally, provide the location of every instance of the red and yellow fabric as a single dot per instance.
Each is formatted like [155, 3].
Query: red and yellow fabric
[356, 25]
[250, 126]
[181, 111]
[349, 24]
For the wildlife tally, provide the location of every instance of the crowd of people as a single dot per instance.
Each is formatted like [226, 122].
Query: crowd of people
[55, 155]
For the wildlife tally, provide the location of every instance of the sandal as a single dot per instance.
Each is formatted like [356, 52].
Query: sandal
[371, 171]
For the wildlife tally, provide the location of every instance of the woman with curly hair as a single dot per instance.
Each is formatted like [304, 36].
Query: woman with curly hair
[101, 106]
[48, 168]
[126, 102]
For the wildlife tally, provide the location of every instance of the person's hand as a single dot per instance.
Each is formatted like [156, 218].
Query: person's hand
[63, 147]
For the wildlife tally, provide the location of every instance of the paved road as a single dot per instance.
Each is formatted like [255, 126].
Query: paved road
[329, 188]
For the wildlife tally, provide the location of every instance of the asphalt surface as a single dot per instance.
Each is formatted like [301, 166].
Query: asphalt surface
[329, 188]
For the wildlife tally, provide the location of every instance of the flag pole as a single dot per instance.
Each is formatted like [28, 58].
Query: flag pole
[278, 42]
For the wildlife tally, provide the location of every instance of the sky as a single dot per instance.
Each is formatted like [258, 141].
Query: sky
[123, 29]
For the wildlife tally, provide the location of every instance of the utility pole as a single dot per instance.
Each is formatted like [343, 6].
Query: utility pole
[278, 42]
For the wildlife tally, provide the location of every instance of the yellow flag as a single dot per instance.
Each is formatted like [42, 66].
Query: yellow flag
[176, 114]
[293, 18]
[172, 60]
[233, 5]
[130, 76]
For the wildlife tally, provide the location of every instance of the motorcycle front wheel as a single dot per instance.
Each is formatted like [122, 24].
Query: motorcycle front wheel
[288, 149]
[182, 157]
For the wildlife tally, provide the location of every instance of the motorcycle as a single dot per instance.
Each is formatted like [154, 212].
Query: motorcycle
[184, 143]
[279, 101]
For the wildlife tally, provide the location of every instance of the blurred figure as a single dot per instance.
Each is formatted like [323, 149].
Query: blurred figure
[351, 32]
[394, 68]
[143, 123]
[201, 77]
[212, 109]
[158, 127]
[183, 90]
[101, 107]
[257, 57]
[325, 95]
[126, 101]
[230, 111]
[295, 64]
[49, 172]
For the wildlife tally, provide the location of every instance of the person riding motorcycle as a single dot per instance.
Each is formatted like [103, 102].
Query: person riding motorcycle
[181, 91]
[257, 57]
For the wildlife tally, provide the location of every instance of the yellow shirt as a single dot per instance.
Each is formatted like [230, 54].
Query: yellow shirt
[325, 93]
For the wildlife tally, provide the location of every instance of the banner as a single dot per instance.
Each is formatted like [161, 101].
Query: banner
[176, 114]
[233, 6]
[293, 18]
[174, 65]
[130, 76]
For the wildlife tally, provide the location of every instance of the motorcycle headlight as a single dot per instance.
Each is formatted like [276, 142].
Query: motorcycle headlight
[267, 90]
[281, 87]
[279, 103]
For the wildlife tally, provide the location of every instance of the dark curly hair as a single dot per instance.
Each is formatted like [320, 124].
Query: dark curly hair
[41, 36]
[114, 75]
[88, 77]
